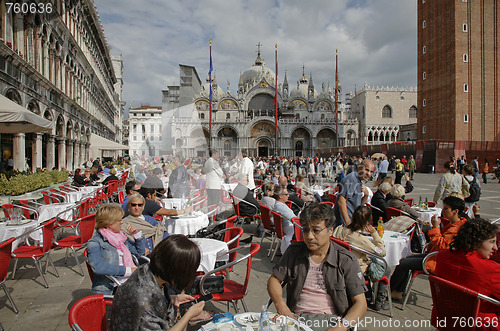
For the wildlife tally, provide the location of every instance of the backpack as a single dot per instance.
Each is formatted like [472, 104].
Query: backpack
[474, 190]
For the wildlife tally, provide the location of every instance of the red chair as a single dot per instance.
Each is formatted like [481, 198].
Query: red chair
[232, 238]
[258, 182]
[38, 252]
[111, 190]
[453, 302]
[57, 196]
[409, 201]
[431, 204]
[332, 198]
[414, 274]
[5, 249]
[297, 229]
[8, 209]
[278, 228]
[298, 191]
[236, 205]
[28, 211]
[121, 197]
[46, 197]
[265, 214]
[199, 203]
[89, 313]
[233, 291]
[392, 212]
[384, 280]
[331, 204]
[86, 225]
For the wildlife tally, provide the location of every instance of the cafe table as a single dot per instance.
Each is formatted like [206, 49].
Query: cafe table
[397, 246]
[73, 196]
[250, 321]
[45, 212]
[211, 251]
[229, 187]
[9, 229]
[186, 224]
[172, 203]
[426, 214]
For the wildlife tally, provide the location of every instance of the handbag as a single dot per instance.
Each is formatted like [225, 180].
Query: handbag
[213, 284]
[376, 270]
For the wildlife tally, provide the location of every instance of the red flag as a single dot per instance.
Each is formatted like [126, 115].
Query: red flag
[210, 95]
[276, 87]
[336, 91]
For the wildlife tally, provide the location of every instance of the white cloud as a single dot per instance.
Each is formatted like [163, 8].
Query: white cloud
[376, 40]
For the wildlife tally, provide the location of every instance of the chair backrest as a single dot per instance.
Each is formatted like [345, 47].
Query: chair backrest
[298, 191]
[431, 204]
[48, 234]
[89, 313]
[392, 212]
[212, 212]
[341, 243]
[452, 301]
[332, 198]
[297, 229]
[230, 221]
[331, 204]
[112, 186]
[121, 197]
[232, 233]
[278, 224]
[46, 197]
[409, 201]
[8, 209]
[87, 224]
[5, 250]
[89, 268]
[254, 249]
[265, 214]
[26, 212]
[258, 182]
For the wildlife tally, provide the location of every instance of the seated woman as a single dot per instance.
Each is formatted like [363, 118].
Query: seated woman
[112, 176]
[109, 250]
[362, 220]
[380, 198]
[147, 301]
[267, 198]
[324, 281]
[396, 201]
[78, 178]
[93, 174]
[84, 179]
[307, 193]
[468, 263]
[152, 230]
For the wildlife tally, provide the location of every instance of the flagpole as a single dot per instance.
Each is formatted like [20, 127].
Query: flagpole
[276, 100]
[337, 95]
[210, 98]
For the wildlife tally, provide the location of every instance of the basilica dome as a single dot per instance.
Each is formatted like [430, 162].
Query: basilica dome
[302, 88]
[218, 93]
[256, 73]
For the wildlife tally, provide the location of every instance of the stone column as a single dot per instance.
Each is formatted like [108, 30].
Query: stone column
[51, 152]
[62, 153]
[36, 159]
[87, 149]
[76, 151]
[19, 151]
[69, 154]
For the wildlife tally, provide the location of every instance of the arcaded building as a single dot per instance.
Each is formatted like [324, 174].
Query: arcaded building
[458, 70]
[55, 62]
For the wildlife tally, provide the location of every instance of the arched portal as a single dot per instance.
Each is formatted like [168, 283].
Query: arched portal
[303, 137]
[228, 139]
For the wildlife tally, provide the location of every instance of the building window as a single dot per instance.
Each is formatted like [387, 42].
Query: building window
[387, 112]
[424, 50]
[423, 129]
[202, 116]
[424, 75]
[402, 97]
[228, 116]
[159, 128]
[143, 128]
[466, 118]
[144, 114]
[466, 88]
[135, 138]
[465, 58]
[135, 128]
[413, 112]
[464, 27]
[152, 128]
[424, 102]
[152, 138]
[423, 1]
[424, 24]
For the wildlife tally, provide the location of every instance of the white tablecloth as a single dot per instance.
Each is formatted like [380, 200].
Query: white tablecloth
[228, 187]
[88, 190]
[211, 251]
[46, 212]
[172, 203]
[427, 214]
[8, 231]
[247, 320]
[73, 196]
[396, 248]
[186, 224]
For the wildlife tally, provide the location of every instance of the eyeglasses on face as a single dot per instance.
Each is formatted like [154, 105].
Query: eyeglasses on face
[314, 231]
[137, 204]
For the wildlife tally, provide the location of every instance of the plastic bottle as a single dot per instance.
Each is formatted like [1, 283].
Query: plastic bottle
[264, 323]
[426, 204]
[380, 227]
[420, 202]
[183, 202]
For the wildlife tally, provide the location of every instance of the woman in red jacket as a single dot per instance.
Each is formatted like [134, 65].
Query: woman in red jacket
[468, 263]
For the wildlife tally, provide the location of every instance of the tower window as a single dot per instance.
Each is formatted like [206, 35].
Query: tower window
[424, 102]
[464, 27]
[424, 75]
[424, 24]
[466, 88]
[423, 129]
[424, 50]
[465, 58]
[466, 118]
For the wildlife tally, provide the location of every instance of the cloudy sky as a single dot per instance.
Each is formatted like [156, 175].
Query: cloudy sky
[376, 41]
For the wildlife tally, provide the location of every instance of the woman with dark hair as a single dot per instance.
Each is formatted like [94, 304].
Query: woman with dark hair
[362, 220]
[468, 263]
[451, 181]
[267, 195]
[149, 299]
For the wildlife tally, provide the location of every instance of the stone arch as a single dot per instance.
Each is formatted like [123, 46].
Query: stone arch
[387, 111]
[264, 146]
[14, 95]
[69, 130]
[350, 138]
[228, 138]
[261, 101]
[301, 137]
[33, 107]
[60, 127]
[326, 138]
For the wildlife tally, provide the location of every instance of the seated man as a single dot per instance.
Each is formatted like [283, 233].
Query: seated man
[151, 208]
[440, 239]
[130, 188]
[247, 204]
[297, 203]
[311, 268]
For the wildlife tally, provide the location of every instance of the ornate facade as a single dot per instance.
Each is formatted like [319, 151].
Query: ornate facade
[56, 63]
[306, 118]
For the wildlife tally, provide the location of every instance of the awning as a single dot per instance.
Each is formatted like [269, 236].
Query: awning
[16, 119]
[98, 142]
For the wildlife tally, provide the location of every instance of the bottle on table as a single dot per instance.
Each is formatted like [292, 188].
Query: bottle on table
[420, 202]
[426, 204]
[264, 324]
[380, 227]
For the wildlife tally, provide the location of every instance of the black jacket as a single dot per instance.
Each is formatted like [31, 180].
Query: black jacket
[379, 201]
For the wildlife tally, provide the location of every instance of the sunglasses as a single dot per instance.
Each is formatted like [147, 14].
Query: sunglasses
[137, 204]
